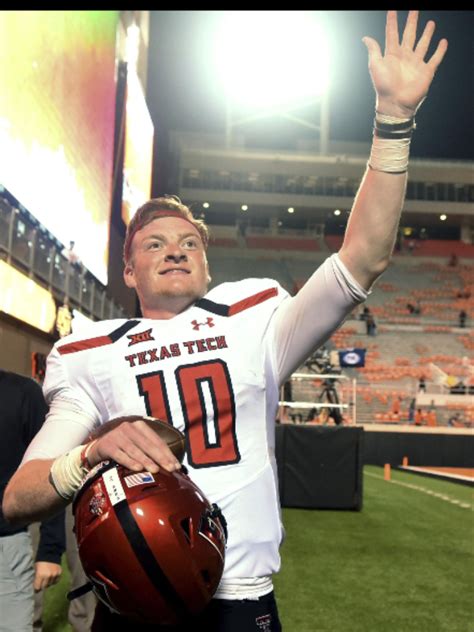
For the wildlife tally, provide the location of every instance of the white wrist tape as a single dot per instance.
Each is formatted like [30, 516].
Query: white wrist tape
[68, 471]
[393, 120]
[389, 155]
[391, 143]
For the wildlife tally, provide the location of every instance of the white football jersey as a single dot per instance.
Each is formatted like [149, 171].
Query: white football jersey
[213, 372]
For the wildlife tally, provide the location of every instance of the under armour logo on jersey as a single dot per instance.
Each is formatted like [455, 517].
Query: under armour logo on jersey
[209, 322]
[264, 622]
[143, 336]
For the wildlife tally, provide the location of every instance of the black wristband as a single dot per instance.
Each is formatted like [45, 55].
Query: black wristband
[393, 135]
[395, 127]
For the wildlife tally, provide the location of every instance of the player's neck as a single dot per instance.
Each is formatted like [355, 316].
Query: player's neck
[166, 310]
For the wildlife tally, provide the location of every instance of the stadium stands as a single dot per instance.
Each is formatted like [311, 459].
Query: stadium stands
[394, 365]
[419, 248]
[442, 248]
[428, 293]
[416, 305]
[224, 236]
[282, 243]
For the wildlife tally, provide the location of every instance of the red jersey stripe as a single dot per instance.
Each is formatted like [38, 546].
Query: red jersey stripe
[251, 301]
[81, 345]
[99, 341]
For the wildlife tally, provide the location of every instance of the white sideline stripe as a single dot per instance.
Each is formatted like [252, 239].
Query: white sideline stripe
[459, 477]
[312, 405]
[448, 499]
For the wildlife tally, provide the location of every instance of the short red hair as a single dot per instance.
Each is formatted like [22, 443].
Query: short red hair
[166, 206]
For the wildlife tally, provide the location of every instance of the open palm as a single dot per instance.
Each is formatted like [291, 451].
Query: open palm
[401, 77]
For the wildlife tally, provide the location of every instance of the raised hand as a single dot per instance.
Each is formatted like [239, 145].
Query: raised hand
[400, 76]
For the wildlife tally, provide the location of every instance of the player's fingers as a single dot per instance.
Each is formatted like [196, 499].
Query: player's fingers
[373, 49]
[392, 39]
[137, 460]
[409, 34]
[152, 446]
[135, 446]
[438, 55]
[118, 447]
[134, 458]
[43, 582]
[425, 39]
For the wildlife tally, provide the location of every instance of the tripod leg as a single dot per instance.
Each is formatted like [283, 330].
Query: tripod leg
[331, 394]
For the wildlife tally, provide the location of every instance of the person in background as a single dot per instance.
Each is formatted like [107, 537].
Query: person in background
[371, 325]
[365, 313]
[411, 245]
[81, 610]
[418, 417]
[431, 417]
[22, 413]
[453, 260]
[396, 403]
[70, 254]
[324, 418]
[454, 421]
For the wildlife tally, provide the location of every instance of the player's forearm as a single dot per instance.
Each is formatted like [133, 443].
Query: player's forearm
[29, 496]
[373, 225]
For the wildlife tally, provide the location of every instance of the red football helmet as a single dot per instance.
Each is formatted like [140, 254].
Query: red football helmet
[151, 544]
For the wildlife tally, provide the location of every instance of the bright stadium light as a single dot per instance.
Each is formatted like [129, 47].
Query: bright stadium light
[272, 58]
[272, 64]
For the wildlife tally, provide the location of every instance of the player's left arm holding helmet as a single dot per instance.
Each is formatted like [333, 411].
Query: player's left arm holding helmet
[32, 494]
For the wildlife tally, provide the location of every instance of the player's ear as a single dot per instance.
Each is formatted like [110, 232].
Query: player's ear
[128, 275]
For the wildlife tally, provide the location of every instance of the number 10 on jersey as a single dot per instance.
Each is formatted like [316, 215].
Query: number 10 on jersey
[208, 406]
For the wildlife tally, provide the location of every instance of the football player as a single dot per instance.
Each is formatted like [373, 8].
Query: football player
[211, 362]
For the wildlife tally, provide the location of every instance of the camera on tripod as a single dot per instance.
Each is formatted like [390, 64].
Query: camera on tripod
[320, 362]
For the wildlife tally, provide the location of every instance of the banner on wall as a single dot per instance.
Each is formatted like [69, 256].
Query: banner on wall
[352, 358]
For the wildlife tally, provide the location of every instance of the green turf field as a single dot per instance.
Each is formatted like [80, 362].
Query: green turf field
[405, 563]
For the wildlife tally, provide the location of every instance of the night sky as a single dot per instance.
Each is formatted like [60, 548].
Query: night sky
[183, 94]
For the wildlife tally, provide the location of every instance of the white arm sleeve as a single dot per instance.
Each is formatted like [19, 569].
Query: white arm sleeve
[305, 321]
[71, 417]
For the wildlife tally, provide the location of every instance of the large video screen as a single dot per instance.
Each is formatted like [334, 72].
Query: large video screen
[138, 154]
[57, 108]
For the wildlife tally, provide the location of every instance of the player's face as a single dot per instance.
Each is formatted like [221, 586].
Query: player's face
[168, 265]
